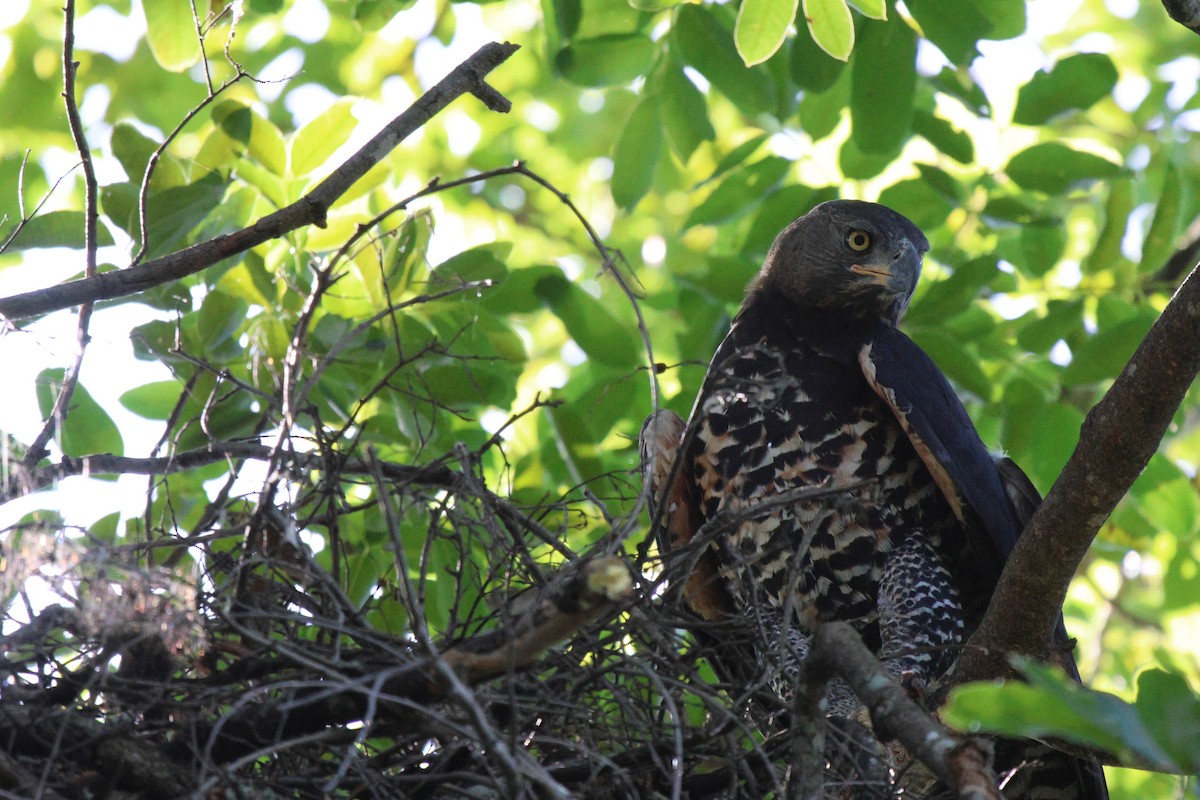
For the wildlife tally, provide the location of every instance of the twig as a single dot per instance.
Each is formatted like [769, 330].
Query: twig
[62, 403]
[309, 210]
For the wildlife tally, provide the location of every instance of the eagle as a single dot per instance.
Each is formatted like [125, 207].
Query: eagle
[840, 478]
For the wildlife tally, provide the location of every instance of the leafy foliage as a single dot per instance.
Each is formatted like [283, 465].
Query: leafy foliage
[481, 330]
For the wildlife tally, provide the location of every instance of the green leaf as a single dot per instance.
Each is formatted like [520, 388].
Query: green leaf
[606, 60]
[831, 27]
[953, 26]
[1117, 208]
[153, 400]
[1055, 168]
[176, 211]
[821, 112]
[812, 68]
[1054, 436]
[1160, 239]
[57, 229]
[740, 192]
[134, 149]
[87, 428]
[1170, 709]
[957, 361]
[1006, 18]
[883, 85]
[857, 165]
[253, 134]
[171, 34]
[1052, 705]
[875, 9]
[920, 201]
[1042, 245]
[707, 46]
[479, 263]
[1105, 354]
[589, 323]
[636, 154]
[316, 142]
[684, 114]
[1075, 82]
[944, 136]
[761, 27]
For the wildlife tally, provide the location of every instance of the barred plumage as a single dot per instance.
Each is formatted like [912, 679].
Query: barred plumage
[814, 387]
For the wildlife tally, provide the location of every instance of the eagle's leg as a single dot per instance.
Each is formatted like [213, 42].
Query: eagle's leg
[920, 616]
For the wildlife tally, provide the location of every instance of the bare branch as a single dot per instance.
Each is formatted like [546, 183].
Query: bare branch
[62, 403]
[309, 210]
[964, 764]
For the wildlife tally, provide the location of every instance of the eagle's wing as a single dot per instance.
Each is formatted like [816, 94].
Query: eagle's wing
[992, 497]
[676, 516]
[946, 440]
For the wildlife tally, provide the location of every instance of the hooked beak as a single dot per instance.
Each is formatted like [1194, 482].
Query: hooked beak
[897, 272]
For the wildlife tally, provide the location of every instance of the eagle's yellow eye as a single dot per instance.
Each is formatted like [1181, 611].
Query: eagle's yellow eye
[858, 240]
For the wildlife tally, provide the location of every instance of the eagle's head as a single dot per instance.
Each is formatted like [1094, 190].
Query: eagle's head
[846, 260]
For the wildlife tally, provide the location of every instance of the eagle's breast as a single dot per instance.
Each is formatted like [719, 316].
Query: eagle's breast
[780, 414]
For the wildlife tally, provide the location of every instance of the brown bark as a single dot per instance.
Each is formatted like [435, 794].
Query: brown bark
[1117, 440]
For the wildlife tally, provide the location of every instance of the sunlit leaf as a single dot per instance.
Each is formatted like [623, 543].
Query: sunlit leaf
[1052, 705]
[762, 25]
[56, 229]
[589, 323]
[830, 26]
[812, 68]
[875, 9]
[1160, 239]
[171, 33]
[87, 428]
[1119, 205]
[316, 142]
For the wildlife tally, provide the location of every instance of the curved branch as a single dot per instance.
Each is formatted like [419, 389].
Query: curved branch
[467, 77]
[1116, 441]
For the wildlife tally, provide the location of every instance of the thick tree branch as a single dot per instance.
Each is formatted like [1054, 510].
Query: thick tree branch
[467, 77]
[1117, 440]
[1185, 12]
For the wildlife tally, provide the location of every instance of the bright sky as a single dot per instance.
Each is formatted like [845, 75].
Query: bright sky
[50, 342]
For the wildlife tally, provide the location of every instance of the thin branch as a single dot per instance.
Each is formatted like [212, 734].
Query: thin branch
[1116, 442]
[62, 403]
[311, 209]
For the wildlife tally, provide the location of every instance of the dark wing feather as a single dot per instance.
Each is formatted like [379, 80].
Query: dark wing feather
[992, 496]
[945, 438]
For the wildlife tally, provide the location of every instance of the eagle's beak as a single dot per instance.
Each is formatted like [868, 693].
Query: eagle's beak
[897, 271]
